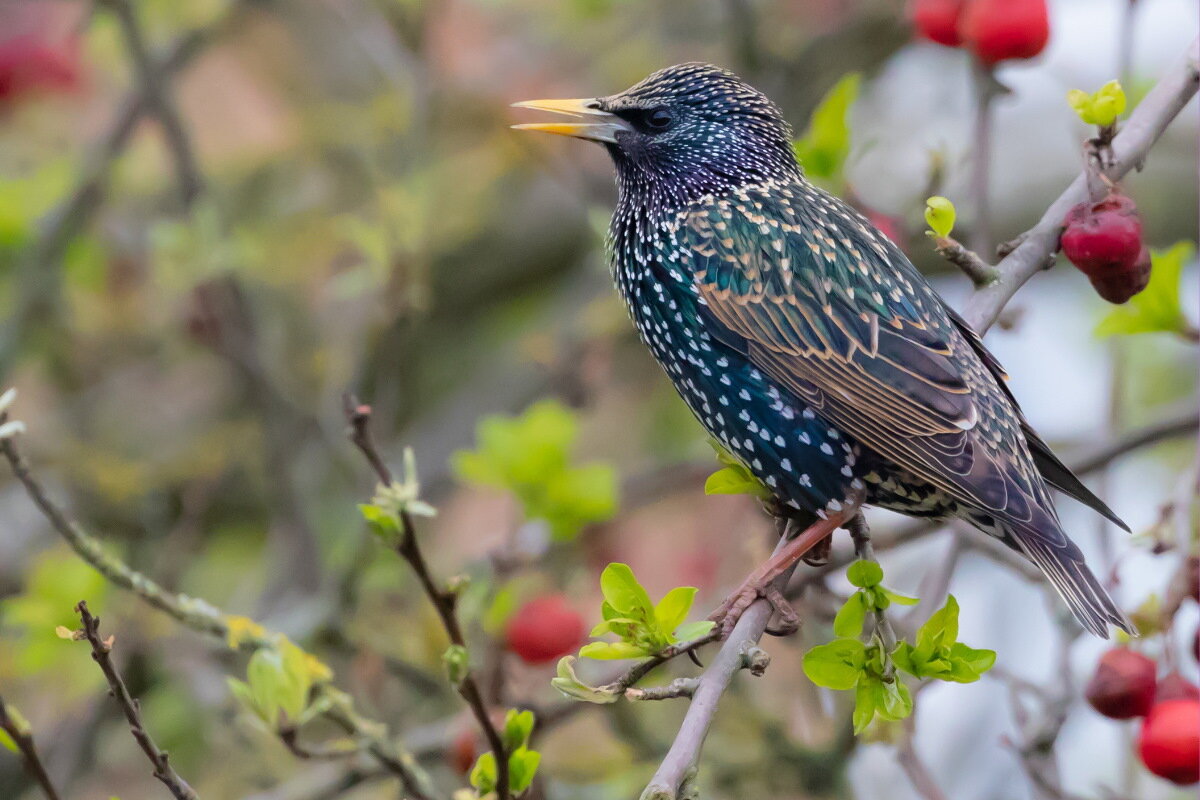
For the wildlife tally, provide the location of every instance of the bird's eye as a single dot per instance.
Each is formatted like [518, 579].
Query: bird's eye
[659, 119]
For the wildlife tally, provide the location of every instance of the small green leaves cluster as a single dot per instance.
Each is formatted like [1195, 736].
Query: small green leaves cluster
[279, 683]
[522, 762]
[643, 628]
[937, 653]
[569, 683]
[870, 669]
[940, 217]
[734, 477]
[823, 148]
[531, 456]
[870, 597]
[1101, 107]
[385, 511]
[1156, 308]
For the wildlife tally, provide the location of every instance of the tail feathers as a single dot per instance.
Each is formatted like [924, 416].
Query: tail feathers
[1063, 564]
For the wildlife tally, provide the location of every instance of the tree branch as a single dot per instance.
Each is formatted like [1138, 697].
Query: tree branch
[102, 654]
[200, 615]
[678, 769]
[1143, 128]
[154, 90]
[18, 730]
[358, 415]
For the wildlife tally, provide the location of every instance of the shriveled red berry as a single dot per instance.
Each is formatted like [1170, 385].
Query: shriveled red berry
[1169, 743]
[1118, 285]
[937, 20]
[1104, 240]
[997, 30]
[1176, 687]
[1123, 685]
[544, 629]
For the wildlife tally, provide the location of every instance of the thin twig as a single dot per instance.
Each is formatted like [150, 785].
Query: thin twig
[102, 654]
[203, 617]
[154, 88]
[358, 415]
[979, 271]
[986, 89]
[918, 774]
[1143, 128]
[23, 738]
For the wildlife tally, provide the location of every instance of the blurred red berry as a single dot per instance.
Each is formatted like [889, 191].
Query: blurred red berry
[462, 752]
[1169, 743]
[937, 20]
[544, 629]
[997, 30]
[1123, 685]
[1176, 687]
[1104, 240]
[889, 226]
[30, 64]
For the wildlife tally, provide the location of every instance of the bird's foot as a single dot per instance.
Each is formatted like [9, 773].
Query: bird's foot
[730, 611]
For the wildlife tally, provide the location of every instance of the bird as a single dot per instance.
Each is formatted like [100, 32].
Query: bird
[805, 341]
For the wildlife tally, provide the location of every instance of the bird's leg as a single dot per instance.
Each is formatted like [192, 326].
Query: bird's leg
[759, 583]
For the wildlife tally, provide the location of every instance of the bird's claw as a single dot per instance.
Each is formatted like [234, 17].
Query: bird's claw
[730, 611]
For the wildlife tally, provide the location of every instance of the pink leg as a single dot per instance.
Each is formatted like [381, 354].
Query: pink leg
[759, 583]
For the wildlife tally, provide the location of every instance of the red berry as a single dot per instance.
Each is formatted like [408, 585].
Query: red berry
[544, 629]
[1123, 684]
[1176, 687]
[462, 751]
[997, 30]
[1169, 743]
[937, 20]
[1104, 240]
[31, 64]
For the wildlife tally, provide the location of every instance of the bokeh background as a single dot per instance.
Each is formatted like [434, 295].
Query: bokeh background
[366, 221]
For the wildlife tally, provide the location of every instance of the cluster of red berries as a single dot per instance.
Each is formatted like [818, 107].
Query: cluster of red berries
[994, 30]
[1126, 685]
[1104, 240]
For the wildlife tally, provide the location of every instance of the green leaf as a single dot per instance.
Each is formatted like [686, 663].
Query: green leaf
[483, 774]
[940, 216]
[966, 664]
[1102, 107]
[836, 665]
[612, 651]
[567, 682]
[1156, 308]
[865, 697]
[735, 480]
[864, 574]
[623, 592]
[457, 662]
[7, 742]
[694, 630]
[893, 701]
[851, 616]
[897, 598]
[522, 766]
[672, 610]
[941, 630]
[823, 148]
[518, 726]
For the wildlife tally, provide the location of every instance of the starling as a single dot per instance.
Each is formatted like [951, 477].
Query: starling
[805, 341]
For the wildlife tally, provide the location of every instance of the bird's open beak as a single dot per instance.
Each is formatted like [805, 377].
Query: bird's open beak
[603, 126]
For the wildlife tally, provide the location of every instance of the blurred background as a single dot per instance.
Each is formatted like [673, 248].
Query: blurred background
[342, 207]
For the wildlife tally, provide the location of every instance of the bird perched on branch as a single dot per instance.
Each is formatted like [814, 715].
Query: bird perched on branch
[806, 342]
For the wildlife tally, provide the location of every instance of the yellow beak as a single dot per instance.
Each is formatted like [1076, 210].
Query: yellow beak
[604, 129]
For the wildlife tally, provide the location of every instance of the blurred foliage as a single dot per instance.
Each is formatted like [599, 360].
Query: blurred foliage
[530, 456]
[823, 148]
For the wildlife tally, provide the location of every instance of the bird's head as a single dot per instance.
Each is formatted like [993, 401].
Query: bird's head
[685, 131]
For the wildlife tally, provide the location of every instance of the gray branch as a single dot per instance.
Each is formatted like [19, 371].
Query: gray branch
[1139, 133]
